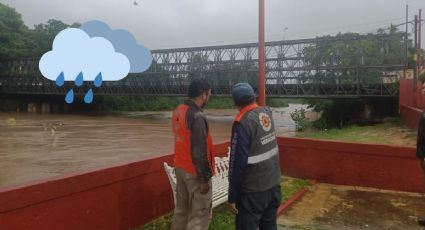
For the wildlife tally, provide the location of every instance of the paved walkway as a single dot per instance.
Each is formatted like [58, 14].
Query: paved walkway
[347, 207]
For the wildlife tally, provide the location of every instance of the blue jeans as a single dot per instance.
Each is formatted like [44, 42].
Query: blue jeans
[257, 210]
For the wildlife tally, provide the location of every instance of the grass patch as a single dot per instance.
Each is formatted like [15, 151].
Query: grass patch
[386, 133]
[163, 222]
[220, 103]
[303, 227]
[277, 102]
[350, 133]
[223, 219]
[289, 186]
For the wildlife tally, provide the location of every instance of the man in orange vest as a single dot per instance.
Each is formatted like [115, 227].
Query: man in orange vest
[193, 160]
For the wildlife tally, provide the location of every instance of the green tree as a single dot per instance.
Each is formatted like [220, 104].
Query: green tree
[14, 41]
[350, 50]
[355, 50]
[43, 34]
[18, 41]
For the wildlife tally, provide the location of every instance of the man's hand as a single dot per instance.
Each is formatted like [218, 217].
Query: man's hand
[423, 167]
[205, 188]
[423, 164]
[232, 208]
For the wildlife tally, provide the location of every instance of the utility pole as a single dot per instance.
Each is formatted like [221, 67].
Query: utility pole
[261, 57]
[406, 62]
[419, 42]
[415, 69]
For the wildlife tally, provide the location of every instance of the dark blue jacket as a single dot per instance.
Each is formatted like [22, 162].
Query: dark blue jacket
[238, 160]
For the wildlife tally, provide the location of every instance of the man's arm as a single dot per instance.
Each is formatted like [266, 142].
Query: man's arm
[420, 142]
[199, 147]
[238, 161]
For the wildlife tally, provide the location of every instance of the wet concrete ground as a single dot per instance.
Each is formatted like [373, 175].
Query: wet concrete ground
[347, 207]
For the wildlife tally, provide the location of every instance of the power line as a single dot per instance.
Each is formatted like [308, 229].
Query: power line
[345, 26]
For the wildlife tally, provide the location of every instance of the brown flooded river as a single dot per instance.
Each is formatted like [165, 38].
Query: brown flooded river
[41, 146]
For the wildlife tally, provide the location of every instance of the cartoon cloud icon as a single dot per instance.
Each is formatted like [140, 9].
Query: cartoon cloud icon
[93, 53]
[124, 42]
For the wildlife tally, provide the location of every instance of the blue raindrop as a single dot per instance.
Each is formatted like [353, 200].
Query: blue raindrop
[98, 80]
[60, 80]
[88, 98]
[79, 80]
[69, 98]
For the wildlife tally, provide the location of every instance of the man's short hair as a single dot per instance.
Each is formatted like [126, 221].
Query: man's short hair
[197, 87]
[246, 103]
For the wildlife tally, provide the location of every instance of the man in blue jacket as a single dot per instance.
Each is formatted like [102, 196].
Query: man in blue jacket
[254, 173]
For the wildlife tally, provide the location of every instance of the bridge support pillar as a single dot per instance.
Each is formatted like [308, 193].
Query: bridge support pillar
[66, 108]
[32, 107]
[55, 108]
[45, 107]
[367, 112]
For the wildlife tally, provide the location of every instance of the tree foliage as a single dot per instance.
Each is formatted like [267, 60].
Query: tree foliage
[300, 119]
[351, 50]
[14, 41]
[18, 41]
[356, 52]
[43, 34]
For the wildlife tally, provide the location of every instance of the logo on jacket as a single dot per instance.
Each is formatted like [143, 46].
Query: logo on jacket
[265, 122]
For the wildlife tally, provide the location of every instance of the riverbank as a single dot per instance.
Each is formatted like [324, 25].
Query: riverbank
[393, 133]
[130, 103]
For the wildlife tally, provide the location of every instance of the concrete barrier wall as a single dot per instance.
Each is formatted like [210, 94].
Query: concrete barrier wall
[129, 195]
[411, 102]
[410, 116]
[377, 166]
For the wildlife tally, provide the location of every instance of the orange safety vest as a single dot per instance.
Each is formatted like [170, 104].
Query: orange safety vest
[182, 156]
[245, 110]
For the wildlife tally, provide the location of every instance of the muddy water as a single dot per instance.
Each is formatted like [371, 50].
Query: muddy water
[40, 146]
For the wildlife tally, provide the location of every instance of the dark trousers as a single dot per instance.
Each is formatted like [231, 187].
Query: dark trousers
[257, 210]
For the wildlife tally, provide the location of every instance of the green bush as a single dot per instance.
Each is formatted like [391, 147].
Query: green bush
[301, 122]
[334, 113]
[422, 77]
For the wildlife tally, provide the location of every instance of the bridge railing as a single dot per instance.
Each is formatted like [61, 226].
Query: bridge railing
[307, 67]
[290, 86]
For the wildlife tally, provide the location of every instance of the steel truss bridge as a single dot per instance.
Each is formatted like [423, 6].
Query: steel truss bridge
[295, 68]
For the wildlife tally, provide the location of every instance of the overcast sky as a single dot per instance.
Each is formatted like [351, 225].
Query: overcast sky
[185, 23]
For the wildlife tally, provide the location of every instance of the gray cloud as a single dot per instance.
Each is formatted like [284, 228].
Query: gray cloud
[182, 23]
